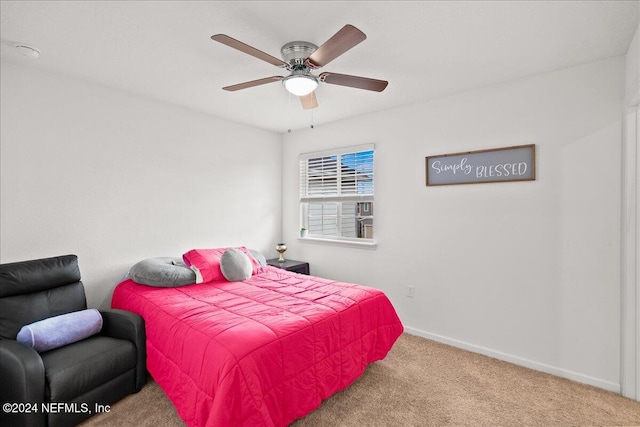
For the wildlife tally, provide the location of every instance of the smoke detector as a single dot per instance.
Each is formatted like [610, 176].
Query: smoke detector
[28, 51]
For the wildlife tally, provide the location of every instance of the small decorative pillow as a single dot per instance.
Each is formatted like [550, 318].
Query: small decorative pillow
[257, 264]
[206, 263]
[235, 265]
[165, 272]
[61, 330]
[262, 260]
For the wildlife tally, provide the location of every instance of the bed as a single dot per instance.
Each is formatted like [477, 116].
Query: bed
[263, 351]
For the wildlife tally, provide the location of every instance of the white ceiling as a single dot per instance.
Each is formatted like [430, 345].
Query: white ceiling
[163, 50]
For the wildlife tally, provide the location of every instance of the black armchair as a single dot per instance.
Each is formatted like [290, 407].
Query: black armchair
[63, 386]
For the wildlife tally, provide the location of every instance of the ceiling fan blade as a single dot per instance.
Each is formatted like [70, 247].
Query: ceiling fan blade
[309, 101]
[354, 81]
[342, 41]
[253, 83]
[243, 47]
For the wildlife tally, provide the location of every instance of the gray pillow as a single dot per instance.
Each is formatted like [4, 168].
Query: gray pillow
[164, 272]
[259, 257]
[235, 265]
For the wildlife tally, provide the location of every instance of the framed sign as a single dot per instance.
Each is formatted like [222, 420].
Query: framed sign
[473, 167]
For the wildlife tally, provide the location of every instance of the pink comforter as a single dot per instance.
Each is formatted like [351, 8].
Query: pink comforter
[262, 352]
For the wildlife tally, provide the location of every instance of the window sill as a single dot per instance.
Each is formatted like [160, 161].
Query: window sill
[360, 243]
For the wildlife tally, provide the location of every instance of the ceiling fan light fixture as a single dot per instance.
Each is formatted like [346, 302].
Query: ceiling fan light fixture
[300, 84]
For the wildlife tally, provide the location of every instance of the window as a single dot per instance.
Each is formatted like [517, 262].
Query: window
[336, 193]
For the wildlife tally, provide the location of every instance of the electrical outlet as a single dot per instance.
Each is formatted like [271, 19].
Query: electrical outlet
[411, 291]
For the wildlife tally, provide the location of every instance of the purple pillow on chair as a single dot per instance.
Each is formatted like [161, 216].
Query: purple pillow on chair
[61, 330]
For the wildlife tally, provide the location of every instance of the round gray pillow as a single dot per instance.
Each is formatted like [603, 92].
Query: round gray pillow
[235, 265]
[164, 272]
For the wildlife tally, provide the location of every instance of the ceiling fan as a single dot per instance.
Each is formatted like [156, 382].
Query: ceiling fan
[300, 58]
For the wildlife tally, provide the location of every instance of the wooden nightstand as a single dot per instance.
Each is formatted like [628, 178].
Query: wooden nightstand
[290, 265]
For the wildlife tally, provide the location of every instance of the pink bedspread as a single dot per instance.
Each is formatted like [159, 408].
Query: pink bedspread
[262, 352]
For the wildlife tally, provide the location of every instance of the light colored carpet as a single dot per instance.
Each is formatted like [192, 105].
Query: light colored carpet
[425, 383]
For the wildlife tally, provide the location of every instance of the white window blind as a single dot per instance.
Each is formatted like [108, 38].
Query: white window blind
[336, 192]
[337, 175]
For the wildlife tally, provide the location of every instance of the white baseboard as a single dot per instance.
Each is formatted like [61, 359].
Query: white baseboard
[559, 372]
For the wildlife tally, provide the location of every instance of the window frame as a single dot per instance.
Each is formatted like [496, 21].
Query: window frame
[305, 199]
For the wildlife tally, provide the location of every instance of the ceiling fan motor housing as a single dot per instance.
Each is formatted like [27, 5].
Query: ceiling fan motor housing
[300, 82]
[295, 53]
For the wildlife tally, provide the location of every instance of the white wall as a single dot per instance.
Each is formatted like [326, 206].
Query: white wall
[116, 178]
[525, 271]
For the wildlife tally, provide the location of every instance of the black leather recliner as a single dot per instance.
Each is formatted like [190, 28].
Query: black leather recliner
[98, 370]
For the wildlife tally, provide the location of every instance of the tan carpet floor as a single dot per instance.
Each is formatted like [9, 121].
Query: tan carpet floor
[425, 383]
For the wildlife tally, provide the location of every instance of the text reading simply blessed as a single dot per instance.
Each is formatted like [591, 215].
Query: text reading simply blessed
[465, 167]
[502, 164]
